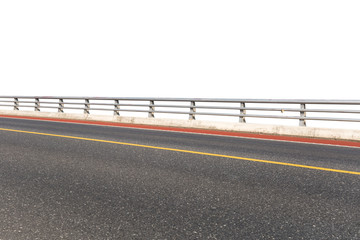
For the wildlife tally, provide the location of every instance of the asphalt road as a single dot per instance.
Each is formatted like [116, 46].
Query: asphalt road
[55, 187]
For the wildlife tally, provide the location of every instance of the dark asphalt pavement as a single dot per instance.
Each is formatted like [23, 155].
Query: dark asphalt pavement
[61, 188]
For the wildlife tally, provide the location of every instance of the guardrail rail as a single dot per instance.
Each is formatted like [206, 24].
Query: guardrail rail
[191, 106]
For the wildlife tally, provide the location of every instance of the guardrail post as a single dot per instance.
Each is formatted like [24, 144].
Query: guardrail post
[116, 108]
[87, 106]
[302, 121]
[242, 113]
[37, 105]
[16, 104]
[151, 109]
[61, 106]
[192, 110]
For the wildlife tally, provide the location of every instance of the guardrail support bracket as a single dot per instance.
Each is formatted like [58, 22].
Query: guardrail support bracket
[242, 113]
[192, 110]
[302, 121]
[87, 107]
[37, 105]
[61, 106]
[16, 104]
[116, 108]
[151, 113]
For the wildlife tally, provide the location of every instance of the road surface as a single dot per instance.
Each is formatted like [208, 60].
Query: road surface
[77, 181]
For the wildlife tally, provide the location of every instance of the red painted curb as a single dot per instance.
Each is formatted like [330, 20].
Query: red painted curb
[201, 131]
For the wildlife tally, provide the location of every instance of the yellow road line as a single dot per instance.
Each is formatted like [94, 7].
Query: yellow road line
[186, 151]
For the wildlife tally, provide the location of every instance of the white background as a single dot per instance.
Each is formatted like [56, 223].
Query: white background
[187, 48]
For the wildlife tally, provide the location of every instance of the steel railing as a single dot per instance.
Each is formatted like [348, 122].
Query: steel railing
[192, 106]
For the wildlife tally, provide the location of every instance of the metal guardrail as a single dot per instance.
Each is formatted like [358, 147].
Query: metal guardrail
[190, 106]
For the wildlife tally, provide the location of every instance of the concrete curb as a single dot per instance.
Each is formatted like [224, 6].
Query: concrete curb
[309, 132]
